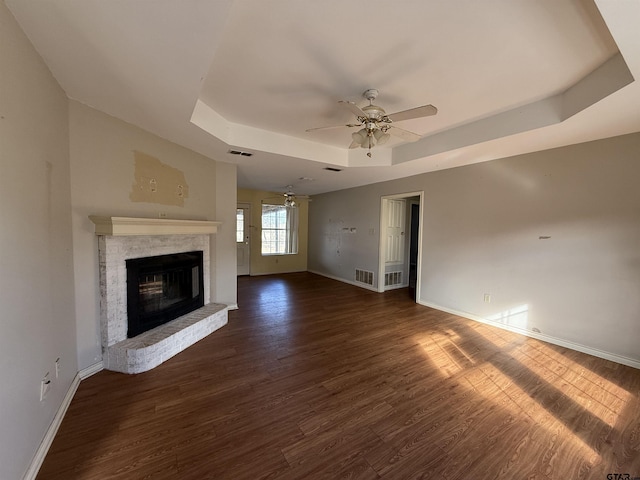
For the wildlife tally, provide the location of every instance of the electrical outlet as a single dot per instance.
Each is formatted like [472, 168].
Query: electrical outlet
[45, 386]
[57, 367]
[487, 298]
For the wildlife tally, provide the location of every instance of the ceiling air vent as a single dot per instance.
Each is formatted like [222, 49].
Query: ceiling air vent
[238, 152]
[333, 169]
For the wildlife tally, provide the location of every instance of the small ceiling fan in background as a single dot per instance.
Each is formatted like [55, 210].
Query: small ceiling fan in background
[377, 124]
[290, 198]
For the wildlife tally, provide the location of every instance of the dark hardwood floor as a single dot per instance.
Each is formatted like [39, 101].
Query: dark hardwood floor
[316, 379]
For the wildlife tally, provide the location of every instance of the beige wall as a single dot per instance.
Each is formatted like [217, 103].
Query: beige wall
[262, 265]
[112, 164]
[226, 287]
[36, 281]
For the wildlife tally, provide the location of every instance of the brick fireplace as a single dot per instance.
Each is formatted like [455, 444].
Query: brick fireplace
[123, 238]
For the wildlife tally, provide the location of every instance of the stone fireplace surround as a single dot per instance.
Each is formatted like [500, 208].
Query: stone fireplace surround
[123, 238]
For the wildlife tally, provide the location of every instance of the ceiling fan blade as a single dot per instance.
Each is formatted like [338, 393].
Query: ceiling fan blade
[418, 112]
[356, 110]
[404, 134]
[350, 125]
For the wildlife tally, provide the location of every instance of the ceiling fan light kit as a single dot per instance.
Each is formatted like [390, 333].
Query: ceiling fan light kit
[376, 125]
[381, 136]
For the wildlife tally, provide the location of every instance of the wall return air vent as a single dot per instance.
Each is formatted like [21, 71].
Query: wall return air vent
[392, 278]
[364, 276]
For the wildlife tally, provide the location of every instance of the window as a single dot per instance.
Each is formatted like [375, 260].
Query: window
[239, 225]
[279, 230]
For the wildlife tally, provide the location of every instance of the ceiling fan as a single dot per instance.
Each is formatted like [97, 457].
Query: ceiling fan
[377, 124]
[290, 197]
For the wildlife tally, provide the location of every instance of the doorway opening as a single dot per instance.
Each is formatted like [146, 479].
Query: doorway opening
[400, 240]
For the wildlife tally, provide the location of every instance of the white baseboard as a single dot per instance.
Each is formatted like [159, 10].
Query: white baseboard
[41, 453]
[358, 284]
[91, 370]
[350, 282]
[395, 287]
[541, 336]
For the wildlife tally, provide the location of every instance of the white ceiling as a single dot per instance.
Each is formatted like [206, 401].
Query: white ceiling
[507, 76]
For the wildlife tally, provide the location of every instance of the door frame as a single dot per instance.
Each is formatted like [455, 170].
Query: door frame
[414, 219]
[382, 242]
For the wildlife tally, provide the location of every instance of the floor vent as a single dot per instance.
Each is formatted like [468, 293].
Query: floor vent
[392, 278]
[364, 276]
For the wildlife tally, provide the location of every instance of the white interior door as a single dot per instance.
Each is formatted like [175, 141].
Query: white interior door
[395, 220]
[243, 238]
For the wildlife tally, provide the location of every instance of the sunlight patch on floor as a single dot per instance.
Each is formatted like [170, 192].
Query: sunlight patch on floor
[491, 383]
[592, 392]
[444, 351]
[588, 390]
[488, 381]
[531, 379]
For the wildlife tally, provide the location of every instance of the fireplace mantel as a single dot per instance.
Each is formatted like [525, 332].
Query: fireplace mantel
[125, 226]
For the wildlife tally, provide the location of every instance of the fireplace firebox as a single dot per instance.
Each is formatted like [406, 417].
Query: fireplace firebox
[162, 288]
